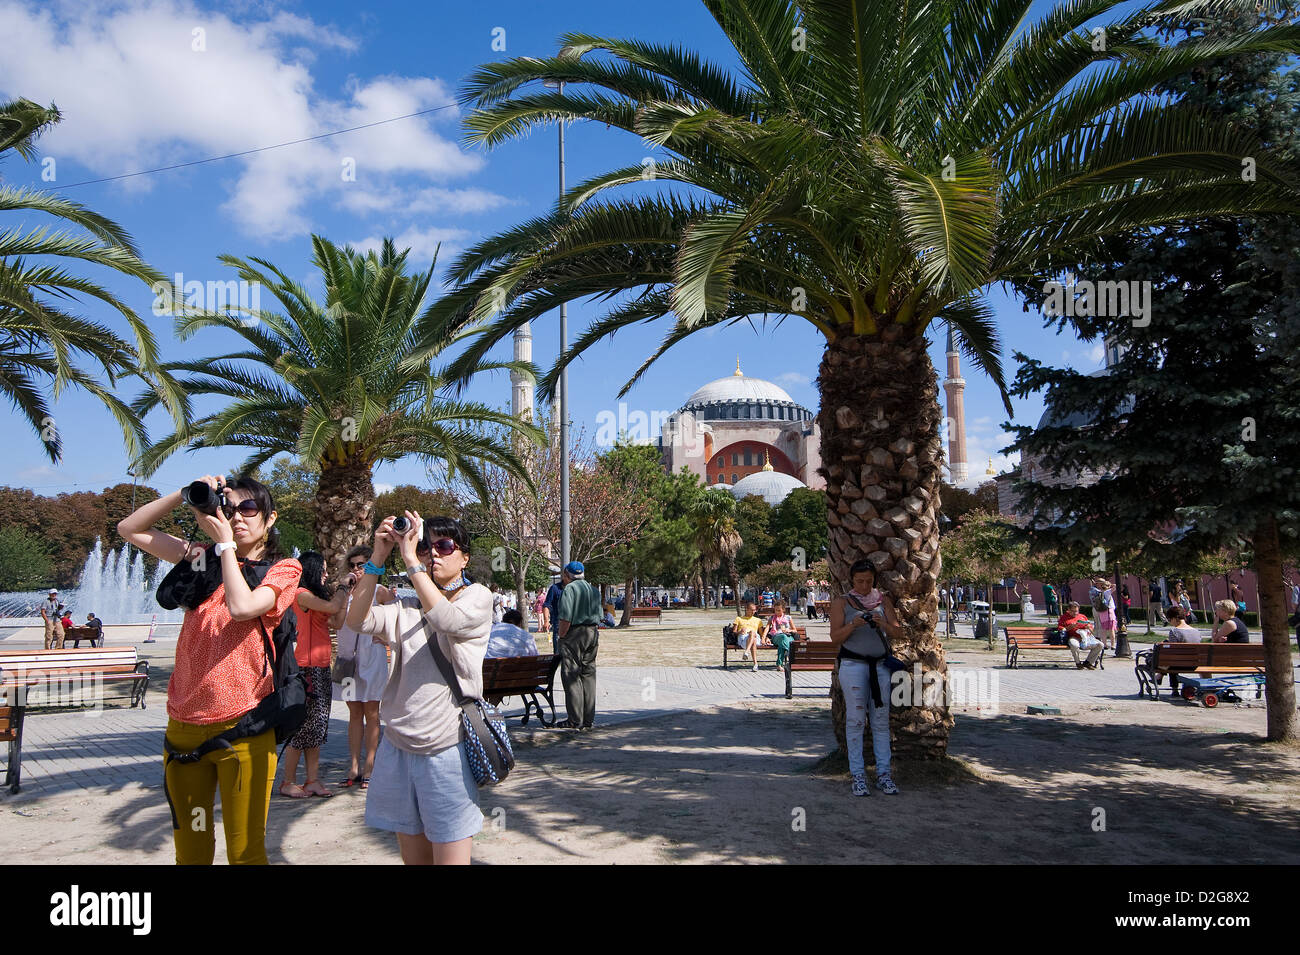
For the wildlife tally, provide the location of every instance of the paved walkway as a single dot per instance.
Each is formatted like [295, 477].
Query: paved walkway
[71, 749]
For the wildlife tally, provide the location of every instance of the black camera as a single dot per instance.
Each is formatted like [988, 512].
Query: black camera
[401, 524]
[201, 496]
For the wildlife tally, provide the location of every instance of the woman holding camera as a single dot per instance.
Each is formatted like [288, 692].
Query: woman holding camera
[856, 619]
[422, 788]
[221, 671]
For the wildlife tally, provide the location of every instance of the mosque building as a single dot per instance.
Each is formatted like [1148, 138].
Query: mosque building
[748, 436]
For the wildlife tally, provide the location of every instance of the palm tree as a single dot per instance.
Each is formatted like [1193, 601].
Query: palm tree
[333, 382]
[41, 342]
[871, 169]
[714, 515]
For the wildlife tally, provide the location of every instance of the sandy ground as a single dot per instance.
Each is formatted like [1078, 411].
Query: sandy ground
[744, 783]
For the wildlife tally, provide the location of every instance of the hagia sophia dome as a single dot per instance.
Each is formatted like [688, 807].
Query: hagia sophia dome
[746, 435]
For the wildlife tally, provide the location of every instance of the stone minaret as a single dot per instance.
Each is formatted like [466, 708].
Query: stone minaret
[521, 394]
[954, 385]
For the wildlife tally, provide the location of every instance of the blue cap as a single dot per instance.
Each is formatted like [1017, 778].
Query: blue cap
[574, 569]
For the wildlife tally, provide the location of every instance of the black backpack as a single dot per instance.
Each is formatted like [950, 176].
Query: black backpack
[285, 708]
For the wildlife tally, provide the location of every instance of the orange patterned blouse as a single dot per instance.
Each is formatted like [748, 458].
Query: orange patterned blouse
[221, 667]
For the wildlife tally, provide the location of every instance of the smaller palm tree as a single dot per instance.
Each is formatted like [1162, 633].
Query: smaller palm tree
[42, 343]
[333, 382]
[716, 536]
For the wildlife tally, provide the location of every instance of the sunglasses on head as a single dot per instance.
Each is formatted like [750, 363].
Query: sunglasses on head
[248, 507]
[445, 547]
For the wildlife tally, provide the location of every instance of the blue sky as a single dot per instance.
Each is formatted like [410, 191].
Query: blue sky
[136, 94]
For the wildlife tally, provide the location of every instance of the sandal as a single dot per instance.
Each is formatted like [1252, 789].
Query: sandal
[300, 794]
[365, 782]
[351, 781]
[318, 789]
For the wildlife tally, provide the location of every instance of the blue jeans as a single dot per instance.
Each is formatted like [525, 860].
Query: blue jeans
[854, 681]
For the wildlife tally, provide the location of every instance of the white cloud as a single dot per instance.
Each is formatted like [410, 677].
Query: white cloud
[383, 488]
[135, 94]
[422, 243]
[793, 378]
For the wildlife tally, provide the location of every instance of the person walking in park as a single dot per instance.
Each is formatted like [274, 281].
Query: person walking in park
[1125, 606]
[314, 605]
[222, 671]
[857, 619]
[50, 613]
[578, 638]
[1184, 600]
[1155, 603]
[1051, 605]
[364, 687]
[423, 789]
[551, 606]
[1102, 595]
[1238, 596]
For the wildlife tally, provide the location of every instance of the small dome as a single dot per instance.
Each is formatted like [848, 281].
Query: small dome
[771, 486]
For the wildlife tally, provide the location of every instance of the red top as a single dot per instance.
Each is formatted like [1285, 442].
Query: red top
[221, 667]
[1074, 622]
[313, 646]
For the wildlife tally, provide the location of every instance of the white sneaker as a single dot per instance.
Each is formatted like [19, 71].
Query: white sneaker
[755, 666]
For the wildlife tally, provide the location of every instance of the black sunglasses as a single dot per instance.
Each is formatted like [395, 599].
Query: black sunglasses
[445, 547]
[248, 507]
[356, 564]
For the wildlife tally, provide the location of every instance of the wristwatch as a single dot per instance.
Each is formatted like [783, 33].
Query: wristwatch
[221, 548]
[416, 569]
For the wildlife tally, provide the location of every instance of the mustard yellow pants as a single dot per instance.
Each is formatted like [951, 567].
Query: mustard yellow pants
[244, 773]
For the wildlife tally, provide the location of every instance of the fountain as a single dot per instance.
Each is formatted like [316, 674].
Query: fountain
[114, 587]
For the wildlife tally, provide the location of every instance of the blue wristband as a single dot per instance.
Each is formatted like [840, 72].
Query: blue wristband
[370, 568]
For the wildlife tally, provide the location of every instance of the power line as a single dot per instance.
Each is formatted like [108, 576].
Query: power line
[249, 152]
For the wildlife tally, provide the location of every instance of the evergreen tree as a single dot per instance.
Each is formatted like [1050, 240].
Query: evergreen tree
[1191, 435]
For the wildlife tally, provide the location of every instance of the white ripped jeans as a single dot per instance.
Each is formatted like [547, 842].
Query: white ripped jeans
[854, 681]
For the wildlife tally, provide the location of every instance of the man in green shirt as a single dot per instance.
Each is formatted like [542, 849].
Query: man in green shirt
[576, 641]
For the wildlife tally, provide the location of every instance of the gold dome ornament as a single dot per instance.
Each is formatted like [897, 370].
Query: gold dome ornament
[736, 373]
[767, 460]
[990, 470]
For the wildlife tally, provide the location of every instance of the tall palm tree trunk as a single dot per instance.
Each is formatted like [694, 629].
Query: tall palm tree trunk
[344, 509]
[881, 456]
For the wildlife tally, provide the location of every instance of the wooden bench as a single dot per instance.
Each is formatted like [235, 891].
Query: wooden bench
[815, 655]
[1021, 637]
[11, 732]
[77, 634]
[728, 647]
[1171, 659]
[645, 613]
[525, 677]
[27, 676]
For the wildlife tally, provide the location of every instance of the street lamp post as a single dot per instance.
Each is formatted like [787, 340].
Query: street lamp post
[564, 380]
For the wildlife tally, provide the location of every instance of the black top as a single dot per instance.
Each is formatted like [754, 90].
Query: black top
[1240, 634]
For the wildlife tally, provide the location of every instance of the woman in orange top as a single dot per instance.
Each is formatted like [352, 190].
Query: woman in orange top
[221, 671]
[315, 604]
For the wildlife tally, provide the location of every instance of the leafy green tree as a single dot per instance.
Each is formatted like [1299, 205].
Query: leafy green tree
[753, 518]
[871, 169]
[986, 548]
[43, 344]
[799, 522]
[25, 562]
[337, 384]
[1216, 350]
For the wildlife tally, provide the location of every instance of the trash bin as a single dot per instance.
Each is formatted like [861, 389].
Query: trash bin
[982, 617]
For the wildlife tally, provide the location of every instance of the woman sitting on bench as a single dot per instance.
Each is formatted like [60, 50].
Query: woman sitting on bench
[749, 630]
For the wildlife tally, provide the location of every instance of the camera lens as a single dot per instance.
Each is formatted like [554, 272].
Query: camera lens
[401, 525]
[201, 497]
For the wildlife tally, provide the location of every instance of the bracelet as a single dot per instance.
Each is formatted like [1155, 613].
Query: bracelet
[370, 568]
